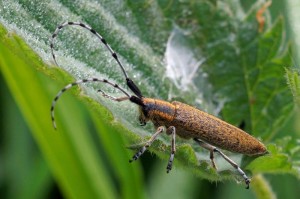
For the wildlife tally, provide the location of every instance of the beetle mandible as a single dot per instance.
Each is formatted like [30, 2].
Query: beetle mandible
[177, 118]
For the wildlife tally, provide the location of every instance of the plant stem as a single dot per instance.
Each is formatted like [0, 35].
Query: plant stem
[262, 188]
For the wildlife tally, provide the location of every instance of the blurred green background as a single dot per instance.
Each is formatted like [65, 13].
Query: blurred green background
[90, 158]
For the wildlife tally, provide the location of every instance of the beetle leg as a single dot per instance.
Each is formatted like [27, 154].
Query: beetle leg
[148, 143]
[171, 131]
[119, 99]
[213, 149]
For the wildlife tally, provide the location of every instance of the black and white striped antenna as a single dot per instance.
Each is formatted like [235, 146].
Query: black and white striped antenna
[129, 82]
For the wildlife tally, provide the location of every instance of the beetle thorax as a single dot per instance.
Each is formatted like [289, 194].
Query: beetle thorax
[158, 111]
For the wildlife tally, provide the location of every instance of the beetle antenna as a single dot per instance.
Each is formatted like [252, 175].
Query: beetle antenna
[127, 97]
[133, 87]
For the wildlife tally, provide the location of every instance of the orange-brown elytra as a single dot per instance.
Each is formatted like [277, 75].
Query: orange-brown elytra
[175, 117]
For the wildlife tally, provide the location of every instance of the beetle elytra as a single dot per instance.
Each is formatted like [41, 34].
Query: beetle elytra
[177, 118]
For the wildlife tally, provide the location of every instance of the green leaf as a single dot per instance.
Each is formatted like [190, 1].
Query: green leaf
[18, 73]
[292, 76]
[33, 177]
[224, 62]
[71, 153]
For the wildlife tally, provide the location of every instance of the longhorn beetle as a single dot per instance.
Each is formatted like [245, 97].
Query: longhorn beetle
[176, 117]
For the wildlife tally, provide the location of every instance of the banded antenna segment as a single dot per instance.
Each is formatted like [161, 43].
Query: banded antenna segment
[60, 27]
[80, 82]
